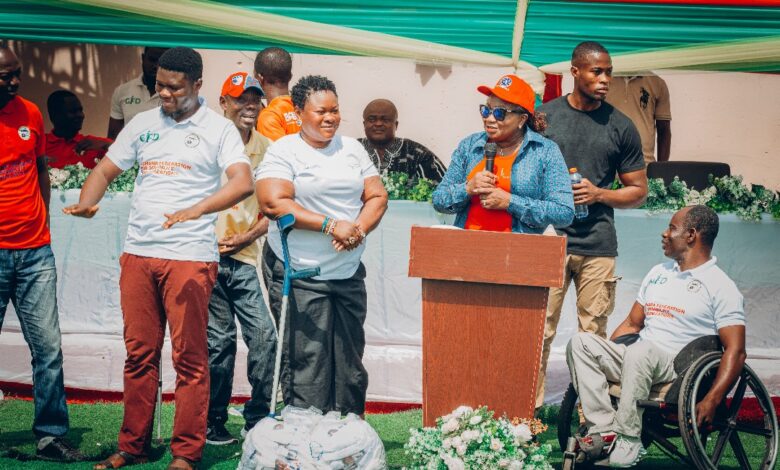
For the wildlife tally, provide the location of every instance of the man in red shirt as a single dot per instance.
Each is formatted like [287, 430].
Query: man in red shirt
[28, 276]
[65, 145]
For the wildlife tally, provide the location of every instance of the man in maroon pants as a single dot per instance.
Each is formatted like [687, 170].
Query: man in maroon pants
[169, 264]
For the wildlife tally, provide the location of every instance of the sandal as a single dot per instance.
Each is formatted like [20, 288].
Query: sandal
[120, 459]
[180, 463]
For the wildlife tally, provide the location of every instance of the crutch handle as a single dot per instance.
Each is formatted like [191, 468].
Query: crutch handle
[306, 273]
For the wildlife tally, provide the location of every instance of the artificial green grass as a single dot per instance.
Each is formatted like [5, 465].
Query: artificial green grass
[94, 430]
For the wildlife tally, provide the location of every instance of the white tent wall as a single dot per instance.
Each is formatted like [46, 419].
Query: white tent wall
[727, 117]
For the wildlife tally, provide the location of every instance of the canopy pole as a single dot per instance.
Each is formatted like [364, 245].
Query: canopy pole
[518, 32]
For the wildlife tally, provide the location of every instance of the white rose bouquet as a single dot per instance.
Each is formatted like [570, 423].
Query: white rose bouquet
[475, 439]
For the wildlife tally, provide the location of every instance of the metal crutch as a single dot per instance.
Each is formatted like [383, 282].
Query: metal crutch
[285, 224]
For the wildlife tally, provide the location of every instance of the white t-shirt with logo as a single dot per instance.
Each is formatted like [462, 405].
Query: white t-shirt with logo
[328, 181]
[180, 163]
[682, 306]
[131, 98]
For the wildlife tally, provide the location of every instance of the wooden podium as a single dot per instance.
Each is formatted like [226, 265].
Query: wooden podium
[484, 305]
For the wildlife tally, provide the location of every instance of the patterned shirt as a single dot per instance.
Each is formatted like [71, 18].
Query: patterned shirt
[406, 156]
[541, 188]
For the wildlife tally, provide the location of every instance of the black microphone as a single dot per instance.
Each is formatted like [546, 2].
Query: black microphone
[490, 155]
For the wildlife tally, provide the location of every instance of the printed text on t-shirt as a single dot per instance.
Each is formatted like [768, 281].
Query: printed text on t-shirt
[163, 168]
[662, 310]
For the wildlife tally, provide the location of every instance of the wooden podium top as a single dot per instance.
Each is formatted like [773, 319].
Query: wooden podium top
[489, 257]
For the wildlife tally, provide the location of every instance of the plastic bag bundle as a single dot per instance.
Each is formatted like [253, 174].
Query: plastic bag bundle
[305, 439]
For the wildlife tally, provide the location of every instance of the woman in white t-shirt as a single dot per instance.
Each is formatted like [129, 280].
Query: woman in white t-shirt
[331, 186]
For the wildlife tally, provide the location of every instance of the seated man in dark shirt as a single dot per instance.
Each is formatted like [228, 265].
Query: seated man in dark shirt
[394, 154]
[65, 145]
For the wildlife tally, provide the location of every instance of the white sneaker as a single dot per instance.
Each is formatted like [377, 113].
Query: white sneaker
[626, 452]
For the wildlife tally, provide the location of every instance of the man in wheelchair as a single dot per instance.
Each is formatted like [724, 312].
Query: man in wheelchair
[678, 302]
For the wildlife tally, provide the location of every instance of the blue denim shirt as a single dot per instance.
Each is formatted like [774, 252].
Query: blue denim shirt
[541, 188]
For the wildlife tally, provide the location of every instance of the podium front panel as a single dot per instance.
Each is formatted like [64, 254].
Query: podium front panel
[482, 345]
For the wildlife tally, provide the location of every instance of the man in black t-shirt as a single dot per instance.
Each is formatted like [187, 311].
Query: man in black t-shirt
[394, 154]
[600, 142]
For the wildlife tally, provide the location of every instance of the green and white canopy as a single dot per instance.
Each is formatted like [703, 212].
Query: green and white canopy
[732, 35]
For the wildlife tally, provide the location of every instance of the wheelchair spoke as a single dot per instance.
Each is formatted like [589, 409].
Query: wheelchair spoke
[717, 452]
[739, 451]
[739, 394]
[746, 428]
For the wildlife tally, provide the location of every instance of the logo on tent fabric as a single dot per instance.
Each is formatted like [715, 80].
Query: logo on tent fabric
[505, 83]
[132, 100]
[192, 140]
[236, 79]
[24, 133]
[149, 136]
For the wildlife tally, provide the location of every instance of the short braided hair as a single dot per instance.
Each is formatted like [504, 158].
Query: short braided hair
[308, 85]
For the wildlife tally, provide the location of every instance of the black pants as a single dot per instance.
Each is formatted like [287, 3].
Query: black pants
[237, 296]
[322, 359]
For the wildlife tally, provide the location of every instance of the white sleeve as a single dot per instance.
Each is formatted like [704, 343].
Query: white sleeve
[640, 296]
[123, 152]
[728, 307]
[276, 163]
[367, 168]
[231, 149]
[116, 105]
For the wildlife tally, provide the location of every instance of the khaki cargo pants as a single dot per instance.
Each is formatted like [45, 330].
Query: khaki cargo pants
[594, 278]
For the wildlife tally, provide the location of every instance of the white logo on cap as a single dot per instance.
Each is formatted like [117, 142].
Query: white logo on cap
[24, 133]
[237, 79]
[505, 83]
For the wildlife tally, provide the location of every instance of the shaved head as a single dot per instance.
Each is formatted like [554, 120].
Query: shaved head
[10, 74]
[7, 57]
[381, 104]
[380, 120]
[584, 49]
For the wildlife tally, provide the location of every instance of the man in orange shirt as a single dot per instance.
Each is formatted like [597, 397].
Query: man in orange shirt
[28, 277]
[65, 145]
[273, 69]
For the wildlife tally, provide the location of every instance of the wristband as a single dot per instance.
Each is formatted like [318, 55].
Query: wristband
[325, 224]
[331, 226]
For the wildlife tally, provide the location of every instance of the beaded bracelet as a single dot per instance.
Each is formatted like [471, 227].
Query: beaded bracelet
[331, 226]
[325, 224]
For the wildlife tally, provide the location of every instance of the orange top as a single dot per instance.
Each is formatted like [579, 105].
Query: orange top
[278, 119]
[22, 210]
[492, 220]
[63, 152]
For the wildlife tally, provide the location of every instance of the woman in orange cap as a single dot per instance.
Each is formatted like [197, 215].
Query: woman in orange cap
[529, 187]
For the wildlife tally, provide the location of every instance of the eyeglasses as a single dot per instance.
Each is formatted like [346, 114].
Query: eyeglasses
[498, 113]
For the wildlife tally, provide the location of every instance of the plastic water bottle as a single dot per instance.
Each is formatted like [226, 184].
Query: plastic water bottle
[580, 210]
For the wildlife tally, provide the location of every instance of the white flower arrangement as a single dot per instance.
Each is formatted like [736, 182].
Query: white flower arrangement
[469, 439]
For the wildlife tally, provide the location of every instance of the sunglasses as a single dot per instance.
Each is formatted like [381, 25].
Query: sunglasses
[498, 113]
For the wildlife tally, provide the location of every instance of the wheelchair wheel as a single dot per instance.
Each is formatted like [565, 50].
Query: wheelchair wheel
[730, 430]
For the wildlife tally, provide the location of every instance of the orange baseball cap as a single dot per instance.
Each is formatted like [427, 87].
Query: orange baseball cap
[237, 82]
[512, 89]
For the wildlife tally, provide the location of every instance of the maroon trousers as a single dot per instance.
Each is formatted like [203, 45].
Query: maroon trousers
[154, 291]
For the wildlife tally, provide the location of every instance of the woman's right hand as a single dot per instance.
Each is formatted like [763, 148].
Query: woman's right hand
[482, 180]
[345, 235]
